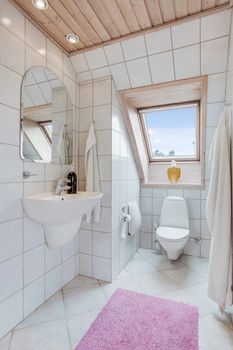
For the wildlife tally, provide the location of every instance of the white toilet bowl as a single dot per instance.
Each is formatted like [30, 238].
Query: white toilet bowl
[173, 232]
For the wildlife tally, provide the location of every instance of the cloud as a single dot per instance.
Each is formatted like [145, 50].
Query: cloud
[181, 140]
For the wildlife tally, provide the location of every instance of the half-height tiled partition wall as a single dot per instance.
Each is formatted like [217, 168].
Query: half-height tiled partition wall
[189, 49]
[29, 272]
[105, 247]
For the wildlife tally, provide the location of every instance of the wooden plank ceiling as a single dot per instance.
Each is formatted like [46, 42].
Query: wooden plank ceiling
[98, 22]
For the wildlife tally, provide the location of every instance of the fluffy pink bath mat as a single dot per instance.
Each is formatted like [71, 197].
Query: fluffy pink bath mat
[134, 321]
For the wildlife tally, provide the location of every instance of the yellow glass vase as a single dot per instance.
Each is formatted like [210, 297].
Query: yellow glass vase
[174, 172]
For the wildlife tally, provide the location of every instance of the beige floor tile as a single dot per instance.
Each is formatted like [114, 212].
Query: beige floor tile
[5, 342]
[81, 281]
[161, 262]
[81, 300]
[78, 325]
[139, 267]
[184, 277]
[126, 283]
[155, 283]
[214, 334]
[53, 309]
[46, 336]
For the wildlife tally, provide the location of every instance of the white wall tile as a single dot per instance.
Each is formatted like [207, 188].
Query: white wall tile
[134, 48]
[85, 265]
[105, 221]
[10, 204]
[102, 268]
[12, 51]
[192, 248]
[11, 276]
[96, 58]
[86, 95]
[216, 25]
[146, 205]
[139, 72]
[205, 248]
[33, 264]
[33, 58]
[102, 117]
[84, 76]
[120, 76]
[194, 208]
[158, 41]
[104, 142]
[12, 19]
[10, 164]
[102, 92]
[210, 61]
[33, 234]
[35, 38]
[216, 87]
[187, 62]
[52, 258]
[214, 111]
[145, 240]
[186, 34]
[68, 271]
[68, 250]
[85, 241]
[68, 68]
[11, 312]
[33, 296]
[54, 54]
[11, 239]
[101, 244]
[105, 168]
[114, 53]
[10, 81]
[52, 282]
[10, 121]
[161, 67]
[79, 62]
[100, 72]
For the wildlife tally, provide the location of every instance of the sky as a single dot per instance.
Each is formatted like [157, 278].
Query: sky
[172, 129]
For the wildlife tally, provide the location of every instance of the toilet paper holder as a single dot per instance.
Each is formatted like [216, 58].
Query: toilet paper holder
[126, 217]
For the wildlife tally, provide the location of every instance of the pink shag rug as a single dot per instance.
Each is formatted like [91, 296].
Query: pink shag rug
[134, 321]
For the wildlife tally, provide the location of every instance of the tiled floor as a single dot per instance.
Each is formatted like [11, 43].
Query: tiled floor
[61, 322]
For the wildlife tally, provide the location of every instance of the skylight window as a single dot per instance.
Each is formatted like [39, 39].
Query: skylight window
[172, 132]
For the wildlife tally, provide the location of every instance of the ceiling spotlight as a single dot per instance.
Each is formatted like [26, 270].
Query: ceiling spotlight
[40, 4]
[72, 38]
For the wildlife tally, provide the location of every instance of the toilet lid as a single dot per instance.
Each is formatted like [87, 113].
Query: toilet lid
[172, 233]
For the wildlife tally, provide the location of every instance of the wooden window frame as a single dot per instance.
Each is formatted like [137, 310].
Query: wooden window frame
[146, 137]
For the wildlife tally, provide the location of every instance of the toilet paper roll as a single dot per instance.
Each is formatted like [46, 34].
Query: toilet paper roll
[135, 223]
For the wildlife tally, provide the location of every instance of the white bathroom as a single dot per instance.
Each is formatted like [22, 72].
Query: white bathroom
[116, 204]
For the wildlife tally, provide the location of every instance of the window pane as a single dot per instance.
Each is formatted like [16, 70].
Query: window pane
[172, 132]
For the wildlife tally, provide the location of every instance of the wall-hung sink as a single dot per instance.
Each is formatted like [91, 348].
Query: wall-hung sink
[60, 215]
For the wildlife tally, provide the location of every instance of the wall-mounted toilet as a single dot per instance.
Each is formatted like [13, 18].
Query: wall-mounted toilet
[173, 232]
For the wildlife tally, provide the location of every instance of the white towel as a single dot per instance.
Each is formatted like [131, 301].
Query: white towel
[63, 145]
[92, 170]
[219, 215]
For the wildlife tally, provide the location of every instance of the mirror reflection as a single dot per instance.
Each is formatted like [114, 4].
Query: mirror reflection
[46, 118]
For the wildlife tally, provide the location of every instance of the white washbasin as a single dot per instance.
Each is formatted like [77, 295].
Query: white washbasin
[60, 215]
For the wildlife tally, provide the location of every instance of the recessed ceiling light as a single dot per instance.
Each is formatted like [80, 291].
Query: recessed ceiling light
[40, 4]
[72, 38]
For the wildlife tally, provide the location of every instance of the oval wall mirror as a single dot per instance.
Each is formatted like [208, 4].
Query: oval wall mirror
[46, 118]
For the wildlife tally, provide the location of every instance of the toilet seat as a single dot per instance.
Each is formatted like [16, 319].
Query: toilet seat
[172, 233]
